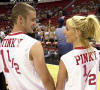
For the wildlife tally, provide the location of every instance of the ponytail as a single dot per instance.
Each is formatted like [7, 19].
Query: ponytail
[93, 27]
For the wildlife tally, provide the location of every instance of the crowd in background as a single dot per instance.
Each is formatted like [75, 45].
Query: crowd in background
[45, 31]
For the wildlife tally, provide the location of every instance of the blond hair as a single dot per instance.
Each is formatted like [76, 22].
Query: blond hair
[21, 9]
[89, 27]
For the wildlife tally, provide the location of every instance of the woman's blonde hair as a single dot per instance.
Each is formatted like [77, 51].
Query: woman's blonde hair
[89, 27]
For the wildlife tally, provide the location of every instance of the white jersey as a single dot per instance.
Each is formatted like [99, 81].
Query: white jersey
[82, 69]
[18, 68]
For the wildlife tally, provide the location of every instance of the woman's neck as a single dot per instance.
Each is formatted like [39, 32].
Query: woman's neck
[81, 44]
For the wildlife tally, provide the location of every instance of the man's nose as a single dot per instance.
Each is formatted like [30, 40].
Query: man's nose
[34, 23]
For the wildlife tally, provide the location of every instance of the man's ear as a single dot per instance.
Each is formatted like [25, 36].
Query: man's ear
[20, 19]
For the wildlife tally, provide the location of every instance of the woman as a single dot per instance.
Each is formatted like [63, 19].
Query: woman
[78, 68]
[63, 46]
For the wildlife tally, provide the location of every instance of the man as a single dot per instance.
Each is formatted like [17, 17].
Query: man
[2, 77]
[22, 56]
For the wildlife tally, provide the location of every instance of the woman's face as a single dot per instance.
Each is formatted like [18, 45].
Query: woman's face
[70, 34]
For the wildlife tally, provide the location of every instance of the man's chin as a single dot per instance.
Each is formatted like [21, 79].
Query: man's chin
[31, 31]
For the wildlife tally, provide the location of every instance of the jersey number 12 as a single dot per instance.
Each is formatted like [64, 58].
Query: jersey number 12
[92, 77]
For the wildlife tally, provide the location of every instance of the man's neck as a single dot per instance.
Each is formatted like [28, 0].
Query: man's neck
[17, 29]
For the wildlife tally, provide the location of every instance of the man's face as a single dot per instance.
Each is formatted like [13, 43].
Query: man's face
[30, 22]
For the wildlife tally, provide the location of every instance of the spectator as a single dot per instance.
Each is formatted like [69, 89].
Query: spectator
[63, 46]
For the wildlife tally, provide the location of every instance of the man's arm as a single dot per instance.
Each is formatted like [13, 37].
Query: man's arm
[37, 55]
[62, 76]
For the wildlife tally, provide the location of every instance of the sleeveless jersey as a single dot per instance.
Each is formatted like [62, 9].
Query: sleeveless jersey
[82, 68]
[18, 68]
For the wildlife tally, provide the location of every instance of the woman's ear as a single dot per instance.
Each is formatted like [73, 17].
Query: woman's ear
[78, 33]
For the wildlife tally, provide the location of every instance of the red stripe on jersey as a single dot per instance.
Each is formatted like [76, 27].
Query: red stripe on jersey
[80, 47]
[16, 33]
[97, 45]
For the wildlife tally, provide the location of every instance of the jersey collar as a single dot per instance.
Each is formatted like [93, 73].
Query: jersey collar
[16, 33]
[80, 47]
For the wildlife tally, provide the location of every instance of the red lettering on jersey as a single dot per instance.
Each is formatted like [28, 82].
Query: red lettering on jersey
[85, 55]
[77, 59]
[85, 73]
[19, 41]
[10, 42]
[82, 58]
[1, 45]
[17, 68]
[91, 77]
[7, 42]
[95, 55]
[4, 62]
[90, 56]
[92, 80]
[13, 41]
[11, 61]
[8, 56]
